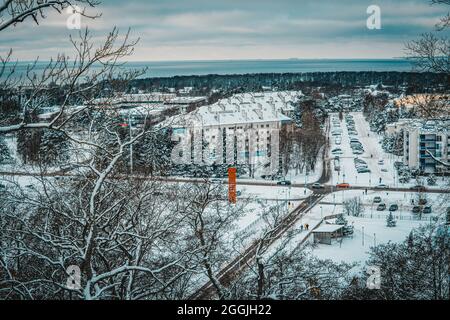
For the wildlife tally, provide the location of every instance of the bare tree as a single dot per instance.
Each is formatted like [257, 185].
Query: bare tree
[211, 219]
[432, 51]
[13, 12]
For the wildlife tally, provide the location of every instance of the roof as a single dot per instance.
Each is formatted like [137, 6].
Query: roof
[328, 228]
[244, 108]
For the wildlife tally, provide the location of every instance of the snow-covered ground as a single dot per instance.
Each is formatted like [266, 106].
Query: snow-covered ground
[371, 223]
[367, 233]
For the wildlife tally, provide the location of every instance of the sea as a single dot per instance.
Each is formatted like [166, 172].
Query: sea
[157, 69]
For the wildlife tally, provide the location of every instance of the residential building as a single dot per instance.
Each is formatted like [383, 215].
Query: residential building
[238, 129]
[427, 145]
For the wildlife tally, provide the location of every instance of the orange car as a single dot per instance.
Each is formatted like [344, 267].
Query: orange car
[343, 185]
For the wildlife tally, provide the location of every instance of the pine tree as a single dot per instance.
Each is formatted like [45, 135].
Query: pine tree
[411, 239]
[28, 144]
[5, 155]
[390, 221]
[53, 148]
[340, 220]
[431, 180]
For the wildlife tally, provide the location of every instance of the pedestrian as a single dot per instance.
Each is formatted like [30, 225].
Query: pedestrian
[301, 228]
[307, 226]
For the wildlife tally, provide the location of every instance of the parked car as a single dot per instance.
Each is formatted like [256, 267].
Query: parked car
[418, 188]
[284, 183]
[343, 185]
[363, 170]
[398, 164]
[377, 199]
[416, 209]
[317, 186]
[357, 151]
[381, 207]
[393, 207]
[382, 186]
[381, 162]
[427, 209]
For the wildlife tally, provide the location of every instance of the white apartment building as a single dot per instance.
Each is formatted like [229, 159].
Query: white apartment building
[424, 142]
[238, 129]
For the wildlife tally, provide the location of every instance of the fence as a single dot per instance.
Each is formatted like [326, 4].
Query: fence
[400, 217]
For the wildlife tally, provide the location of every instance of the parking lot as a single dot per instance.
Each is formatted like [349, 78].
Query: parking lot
[357, 156]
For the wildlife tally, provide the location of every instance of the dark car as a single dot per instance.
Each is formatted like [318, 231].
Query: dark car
[423, 202]
[393, 207]
[418, 188]
[416, 209]
[381, 207]
[427, 209]
[284, 183]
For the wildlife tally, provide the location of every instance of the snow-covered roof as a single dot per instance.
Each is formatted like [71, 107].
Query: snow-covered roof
[242, 109]
[328, 228]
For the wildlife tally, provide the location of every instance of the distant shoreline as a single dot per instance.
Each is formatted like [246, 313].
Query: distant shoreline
[164, 69]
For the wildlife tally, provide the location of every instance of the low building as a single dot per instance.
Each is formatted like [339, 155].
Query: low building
[327, 232]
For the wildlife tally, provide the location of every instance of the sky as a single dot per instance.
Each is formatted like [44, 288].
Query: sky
[236, 29]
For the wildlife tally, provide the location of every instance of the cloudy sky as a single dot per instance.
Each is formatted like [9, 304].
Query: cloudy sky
[238, 29]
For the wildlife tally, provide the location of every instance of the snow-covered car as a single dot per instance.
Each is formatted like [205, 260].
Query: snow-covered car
[377, 199]
[398, 164]
[381, 162]
[381, 207]
[358, 151]
[382, 186]
[337, 151]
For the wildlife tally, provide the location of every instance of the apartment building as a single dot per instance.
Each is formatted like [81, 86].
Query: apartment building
[426, 145]
[238, 129]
